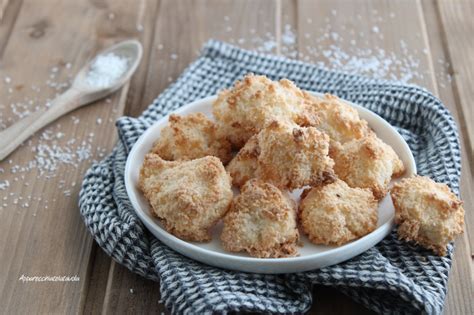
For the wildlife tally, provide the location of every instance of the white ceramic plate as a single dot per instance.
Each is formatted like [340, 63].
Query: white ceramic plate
[311, 256]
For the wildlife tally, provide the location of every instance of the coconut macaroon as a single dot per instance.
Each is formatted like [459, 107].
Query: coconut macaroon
[367, 163]
[191, 137]
[287, 155]
[427, 213]
[188, 196]
[335, 214]
[262, 222]
[292, 156]
[244, 165]
[339, 120]
[252, 103]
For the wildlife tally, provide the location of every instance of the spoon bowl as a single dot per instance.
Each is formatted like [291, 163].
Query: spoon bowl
[130, 49]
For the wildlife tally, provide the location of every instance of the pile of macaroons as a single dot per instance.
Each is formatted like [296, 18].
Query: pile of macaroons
[268, 139]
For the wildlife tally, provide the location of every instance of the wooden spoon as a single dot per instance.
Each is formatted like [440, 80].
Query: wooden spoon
[79, 94]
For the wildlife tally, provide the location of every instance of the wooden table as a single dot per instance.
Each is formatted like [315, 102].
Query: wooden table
[44, 42]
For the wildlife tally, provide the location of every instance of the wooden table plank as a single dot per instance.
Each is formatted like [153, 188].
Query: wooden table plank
[457, 30]
[149, 10]
[41, 232]
[131, 293]
[447, 92]
[460, 285]
[458, 288]
[94, 291]
[458, 26]
[11, 10]
[376, 27]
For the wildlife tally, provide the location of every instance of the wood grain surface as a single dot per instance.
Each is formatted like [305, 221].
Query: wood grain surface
[45, 42]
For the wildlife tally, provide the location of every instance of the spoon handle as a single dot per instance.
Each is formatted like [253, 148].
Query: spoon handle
[14, 135]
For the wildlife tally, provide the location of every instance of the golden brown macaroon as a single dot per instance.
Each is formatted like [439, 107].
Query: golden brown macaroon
[367, 163]
[191, 137]
[244, 165]
[292, 156]
[335, 214]
[427, 213]
[338, 119]
[262, 222]
[254, 102]
[188, 196]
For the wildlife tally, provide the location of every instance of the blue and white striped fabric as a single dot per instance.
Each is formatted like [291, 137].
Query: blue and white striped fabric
[392, 277]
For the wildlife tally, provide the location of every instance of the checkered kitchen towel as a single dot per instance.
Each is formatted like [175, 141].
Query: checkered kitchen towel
[392, 277]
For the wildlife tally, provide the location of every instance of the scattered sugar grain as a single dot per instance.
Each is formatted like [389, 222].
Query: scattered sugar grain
[83, 153]
[75, 120]
[106, 70]
[4, 184]
[268, 46]
[288, 37]
[335, 36]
